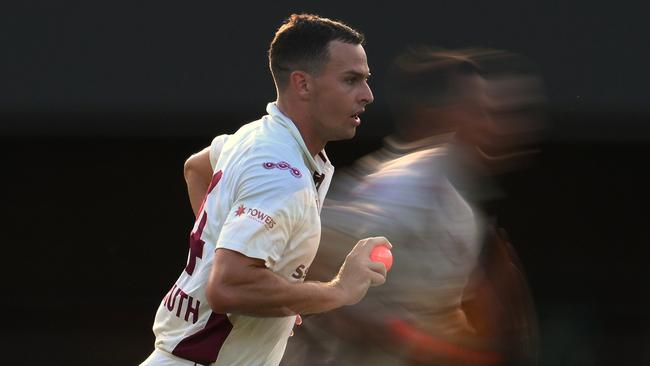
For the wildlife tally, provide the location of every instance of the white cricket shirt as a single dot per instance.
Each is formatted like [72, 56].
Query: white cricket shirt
[264, 203]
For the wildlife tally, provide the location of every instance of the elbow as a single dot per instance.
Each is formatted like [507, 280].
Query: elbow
[189, 168]
[198, 167]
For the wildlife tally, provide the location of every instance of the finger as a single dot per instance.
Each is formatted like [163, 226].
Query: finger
[382, 240]
[377, 241]
[376, 279]
[366, 246]
[378, 267]
[298, 319]
[359, 247]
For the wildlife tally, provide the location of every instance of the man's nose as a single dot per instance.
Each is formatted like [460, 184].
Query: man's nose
[366, 96]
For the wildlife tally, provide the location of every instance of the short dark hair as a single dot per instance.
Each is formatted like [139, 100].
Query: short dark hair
[301, 43]
[424, 76]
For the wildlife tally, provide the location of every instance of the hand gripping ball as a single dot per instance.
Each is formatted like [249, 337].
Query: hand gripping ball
[382, 254]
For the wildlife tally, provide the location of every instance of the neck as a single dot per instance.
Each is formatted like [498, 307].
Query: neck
[303, 121]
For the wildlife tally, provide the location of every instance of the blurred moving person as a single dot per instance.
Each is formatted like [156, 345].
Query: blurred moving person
[457, 294]
[403, 189]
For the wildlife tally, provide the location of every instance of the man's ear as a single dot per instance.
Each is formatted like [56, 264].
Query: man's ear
[302, 83]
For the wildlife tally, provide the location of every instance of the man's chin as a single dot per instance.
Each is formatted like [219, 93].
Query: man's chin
[348, 135]
[351, 133]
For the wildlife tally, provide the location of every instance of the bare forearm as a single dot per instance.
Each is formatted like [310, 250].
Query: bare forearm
[241, 284]
[271, 295]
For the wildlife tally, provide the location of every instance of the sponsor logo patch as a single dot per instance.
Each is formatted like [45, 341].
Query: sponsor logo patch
[240, 210]
[257, 215]
[283, 165]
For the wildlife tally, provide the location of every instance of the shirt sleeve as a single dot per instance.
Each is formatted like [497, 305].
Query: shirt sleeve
[269, 204]
[215, 148]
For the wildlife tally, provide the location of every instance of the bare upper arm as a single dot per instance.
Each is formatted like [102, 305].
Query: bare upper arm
[233, 266]
[230, 272]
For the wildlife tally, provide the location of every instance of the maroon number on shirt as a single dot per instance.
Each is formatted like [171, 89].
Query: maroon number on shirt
[196, 244]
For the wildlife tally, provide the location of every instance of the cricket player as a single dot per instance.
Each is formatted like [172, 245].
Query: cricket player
[258, 211]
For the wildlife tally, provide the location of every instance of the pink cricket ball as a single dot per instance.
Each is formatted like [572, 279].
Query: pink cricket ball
[382, 254]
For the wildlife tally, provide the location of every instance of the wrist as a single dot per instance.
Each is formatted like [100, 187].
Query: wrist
[338, 293]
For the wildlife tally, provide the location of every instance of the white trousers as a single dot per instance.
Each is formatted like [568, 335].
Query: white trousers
[161, 358]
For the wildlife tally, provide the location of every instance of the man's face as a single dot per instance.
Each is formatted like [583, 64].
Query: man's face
[341, 92]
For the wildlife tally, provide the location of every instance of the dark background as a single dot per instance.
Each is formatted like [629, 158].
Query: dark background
[101, 103]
